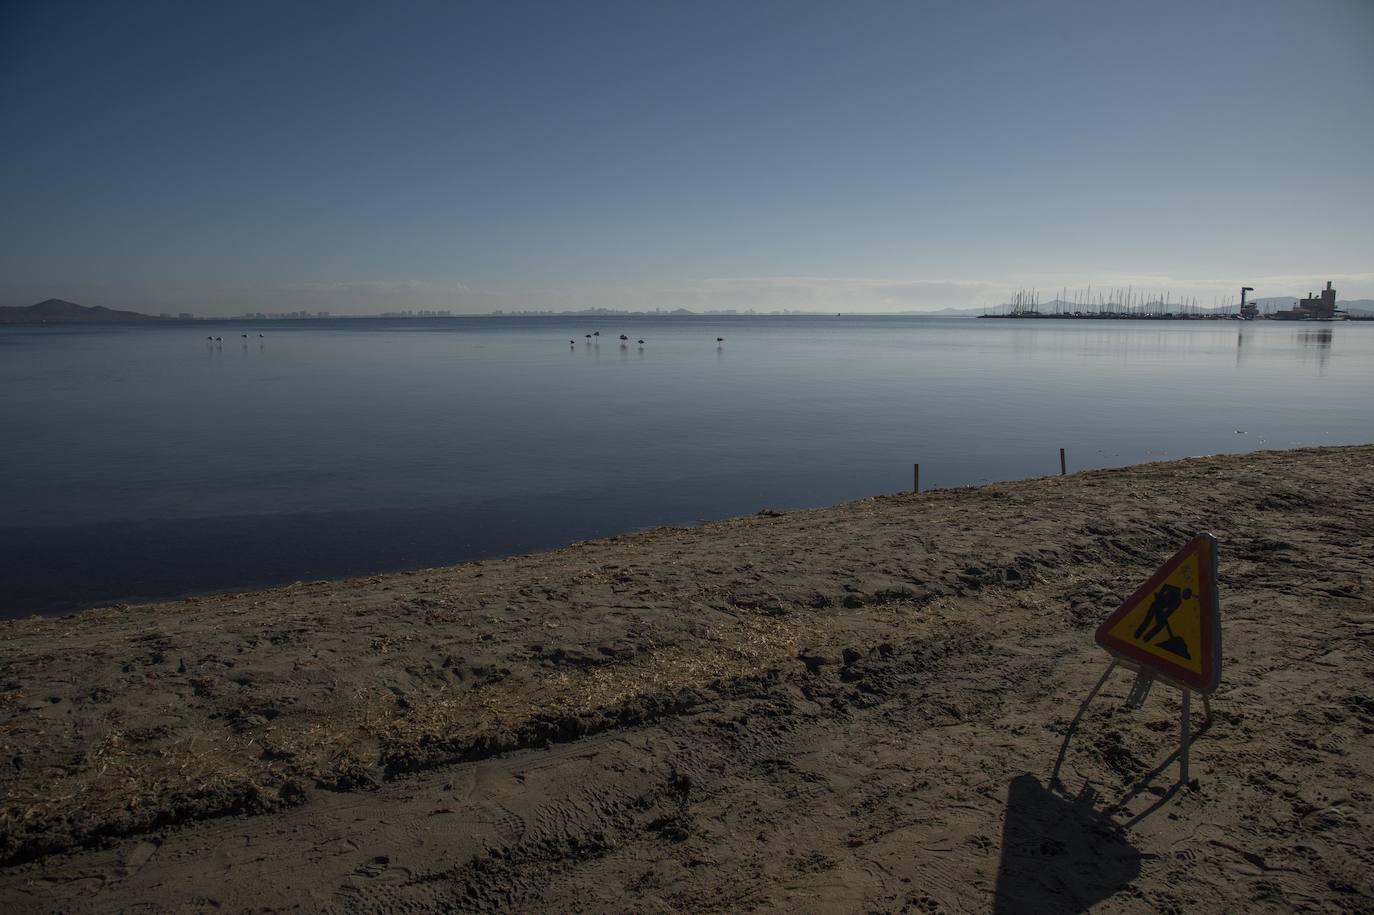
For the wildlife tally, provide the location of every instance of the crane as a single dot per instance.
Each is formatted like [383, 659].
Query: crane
[1248, 310]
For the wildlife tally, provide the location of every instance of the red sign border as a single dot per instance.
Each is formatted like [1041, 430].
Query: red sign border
[1206, 681]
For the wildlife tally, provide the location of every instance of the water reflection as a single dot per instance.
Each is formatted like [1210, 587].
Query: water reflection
[1113, 340]
[370, 417]
[1123, 345]
[1318, 343]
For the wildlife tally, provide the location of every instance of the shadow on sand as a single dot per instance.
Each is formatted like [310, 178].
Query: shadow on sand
[1059, 854]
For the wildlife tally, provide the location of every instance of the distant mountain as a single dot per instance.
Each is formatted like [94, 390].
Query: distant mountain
[55, 311]
[961, 312]
[949, 311]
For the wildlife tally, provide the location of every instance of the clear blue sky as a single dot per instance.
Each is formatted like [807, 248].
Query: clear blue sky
[849, 156]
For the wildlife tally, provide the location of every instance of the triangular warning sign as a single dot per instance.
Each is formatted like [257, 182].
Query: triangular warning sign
[1172, 624]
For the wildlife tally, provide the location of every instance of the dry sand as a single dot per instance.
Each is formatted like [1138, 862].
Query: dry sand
[850, 709]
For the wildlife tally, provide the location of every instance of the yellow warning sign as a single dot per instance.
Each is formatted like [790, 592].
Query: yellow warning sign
[1171, 624]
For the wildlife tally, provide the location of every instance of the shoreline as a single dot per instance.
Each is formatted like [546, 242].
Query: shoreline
[204, 557]
[781, 654]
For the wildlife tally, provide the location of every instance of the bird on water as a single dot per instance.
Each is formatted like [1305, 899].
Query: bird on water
[720, 339]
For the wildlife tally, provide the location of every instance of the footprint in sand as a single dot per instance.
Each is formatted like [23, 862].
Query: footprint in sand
[138, 856]
[378, 871]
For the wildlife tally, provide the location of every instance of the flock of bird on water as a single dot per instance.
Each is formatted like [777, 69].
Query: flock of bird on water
[623, 339]
[221, 339]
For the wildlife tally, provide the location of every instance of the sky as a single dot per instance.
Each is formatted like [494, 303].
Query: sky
[863, 156]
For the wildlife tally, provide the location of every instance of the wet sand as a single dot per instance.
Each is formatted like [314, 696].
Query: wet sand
[855, 708]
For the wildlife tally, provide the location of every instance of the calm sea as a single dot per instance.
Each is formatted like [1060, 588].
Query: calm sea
[146, 462]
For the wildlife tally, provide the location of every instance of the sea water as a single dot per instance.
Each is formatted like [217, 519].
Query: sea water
[143, 462]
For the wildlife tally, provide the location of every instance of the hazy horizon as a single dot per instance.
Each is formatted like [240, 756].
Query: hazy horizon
[881, 158]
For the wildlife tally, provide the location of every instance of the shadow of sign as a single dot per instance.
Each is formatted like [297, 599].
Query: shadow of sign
[1058, 855]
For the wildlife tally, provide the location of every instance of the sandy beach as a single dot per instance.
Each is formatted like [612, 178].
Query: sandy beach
[855, 708]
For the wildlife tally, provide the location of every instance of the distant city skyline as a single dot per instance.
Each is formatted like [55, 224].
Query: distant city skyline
[878, 157]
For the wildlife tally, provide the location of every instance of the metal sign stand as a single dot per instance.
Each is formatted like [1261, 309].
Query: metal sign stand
[1139, 691]
[1184, 741]
[1188, 580]
[1187, 738]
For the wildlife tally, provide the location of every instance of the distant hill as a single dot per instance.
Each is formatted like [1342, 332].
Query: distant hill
[969, 312]
[55, 311]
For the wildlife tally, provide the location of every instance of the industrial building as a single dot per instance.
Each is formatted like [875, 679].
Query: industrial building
[1320, 307]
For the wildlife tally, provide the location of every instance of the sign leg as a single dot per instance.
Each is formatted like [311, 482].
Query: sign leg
[1183, 751]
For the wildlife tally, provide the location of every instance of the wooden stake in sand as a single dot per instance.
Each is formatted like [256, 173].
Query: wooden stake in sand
[1168, 630]
[915, 477]
[1063, 468]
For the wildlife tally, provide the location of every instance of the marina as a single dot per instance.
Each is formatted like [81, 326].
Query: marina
[1128, 304]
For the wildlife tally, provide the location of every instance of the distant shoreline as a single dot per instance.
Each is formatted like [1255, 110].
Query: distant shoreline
[162, 322]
